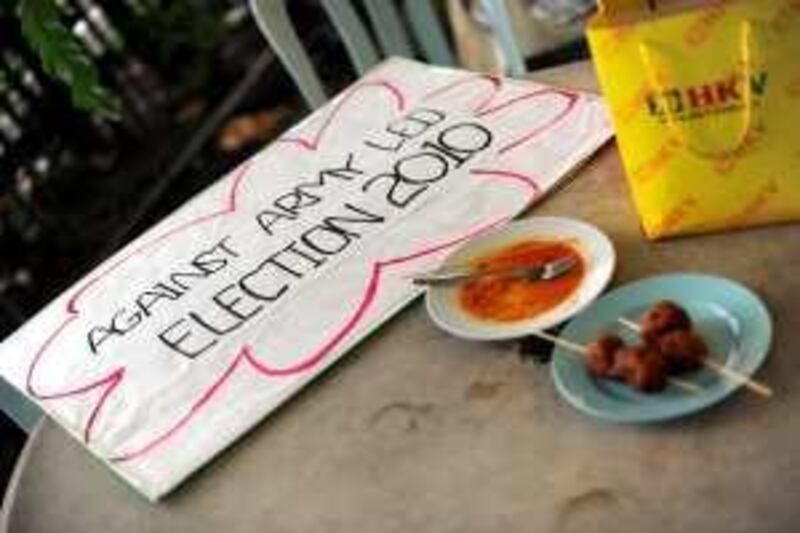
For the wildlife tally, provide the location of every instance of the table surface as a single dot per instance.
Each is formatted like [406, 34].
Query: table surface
[418, 431]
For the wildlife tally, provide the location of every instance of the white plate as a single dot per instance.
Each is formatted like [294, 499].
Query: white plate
[594, 246]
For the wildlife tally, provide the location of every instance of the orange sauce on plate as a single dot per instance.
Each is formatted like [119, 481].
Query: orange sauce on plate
[506, 299]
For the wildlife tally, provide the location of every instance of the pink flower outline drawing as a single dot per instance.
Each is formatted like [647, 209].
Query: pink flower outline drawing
[489, 105]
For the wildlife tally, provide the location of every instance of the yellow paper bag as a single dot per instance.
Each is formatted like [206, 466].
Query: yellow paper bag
[705, 98]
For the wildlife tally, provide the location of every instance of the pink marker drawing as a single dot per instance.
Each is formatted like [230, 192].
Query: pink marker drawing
[491, 102]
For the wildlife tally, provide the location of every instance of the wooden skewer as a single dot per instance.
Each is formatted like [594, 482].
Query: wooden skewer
[710, 362]
[574, 347]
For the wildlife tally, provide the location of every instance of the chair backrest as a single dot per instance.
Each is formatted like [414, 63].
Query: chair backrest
[500, 21]
[385, 16]
[18, 408]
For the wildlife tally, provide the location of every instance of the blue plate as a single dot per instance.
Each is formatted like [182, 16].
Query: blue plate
[731, 319]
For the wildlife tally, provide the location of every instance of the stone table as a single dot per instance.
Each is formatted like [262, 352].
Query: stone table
[418, 431]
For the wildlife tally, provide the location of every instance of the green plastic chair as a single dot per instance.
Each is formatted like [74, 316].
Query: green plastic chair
[273, 20]
[500, 22]
[17, 407]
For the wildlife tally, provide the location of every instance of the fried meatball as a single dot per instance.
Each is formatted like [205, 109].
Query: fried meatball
[601, 354]
[641, 367]
[663, 317]
[683, 351]
[624, 360]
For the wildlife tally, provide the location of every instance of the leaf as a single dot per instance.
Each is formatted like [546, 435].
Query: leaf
[64, 58]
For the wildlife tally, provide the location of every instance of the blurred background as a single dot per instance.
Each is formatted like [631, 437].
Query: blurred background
[114, 112]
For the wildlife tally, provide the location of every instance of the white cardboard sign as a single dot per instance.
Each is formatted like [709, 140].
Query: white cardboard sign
[174, 347]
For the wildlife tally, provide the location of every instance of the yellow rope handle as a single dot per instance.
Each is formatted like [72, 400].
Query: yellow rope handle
[673, 123]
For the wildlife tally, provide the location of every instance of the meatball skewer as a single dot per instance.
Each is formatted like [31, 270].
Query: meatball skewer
[583, 351]
[675, 323]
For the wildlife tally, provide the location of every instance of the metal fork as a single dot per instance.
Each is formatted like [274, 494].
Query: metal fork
[539, 272]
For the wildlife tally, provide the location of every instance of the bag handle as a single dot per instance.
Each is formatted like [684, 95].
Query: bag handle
[673, 122]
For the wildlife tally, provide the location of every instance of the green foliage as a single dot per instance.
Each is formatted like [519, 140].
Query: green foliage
[182, 35]
[63, 56]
